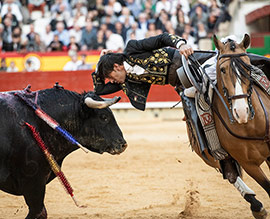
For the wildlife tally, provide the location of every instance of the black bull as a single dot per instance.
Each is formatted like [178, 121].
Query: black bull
[24, 169]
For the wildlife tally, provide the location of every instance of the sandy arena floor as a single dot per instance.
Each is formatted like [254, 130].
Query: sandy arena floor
[157, 177]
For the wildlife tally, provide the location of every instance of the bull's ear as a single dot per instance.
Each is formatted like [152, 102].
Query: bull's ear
[96, 104]
[219, 45]
[245, 42]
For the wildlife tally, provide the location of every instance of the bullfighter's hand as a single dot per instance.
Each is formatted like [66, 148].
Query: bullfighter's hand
[105, 51]
[186, 50]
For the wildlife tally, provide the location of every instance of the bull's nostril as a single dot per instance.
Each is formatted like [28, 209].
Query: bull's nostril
[124, 146]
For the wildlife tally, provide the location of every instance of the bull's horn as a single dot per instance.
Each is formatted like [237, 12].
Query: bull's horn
[95, 104]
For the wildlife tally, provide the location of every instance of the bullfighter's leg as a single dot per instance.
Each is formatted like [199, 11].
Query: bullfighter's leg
[34, 198]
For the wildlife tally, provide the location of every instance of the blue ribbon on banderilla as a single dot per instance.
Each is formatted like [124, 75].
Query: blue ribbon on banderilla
[50, 121]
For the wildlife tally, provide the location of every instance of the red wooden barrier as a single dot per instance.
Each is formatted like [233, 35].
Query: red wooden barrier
[78, 81]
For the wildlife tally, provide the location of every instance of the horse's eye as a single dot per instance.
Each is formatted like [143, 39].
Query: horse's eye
[223, 70]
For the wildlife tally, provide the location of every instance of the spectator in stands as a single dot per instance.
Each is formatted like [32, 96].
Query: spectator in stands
[114, 41]
[31, 35]
[16, 39]
[121, 30]
[12, 17]
[47, 36]
[57, 17]
[76, 32]
[3, 66]
[80, 6]
[163, 5]
[201, 32]
[151, 30]
[38, 5]
[65, 12]
[214, 8]
[73, 45]
[198, 16]
[56, 6]
[37, 45]
[62, 33]
[100, 42]
[149, 7]
[125, 17]
[180, 4]
[190, 40]
[88, 36]
[74, 63]
[7, 35]
[1, 35]
[109, 20]
[139, 34]
[55, 45]
[84, 65]
[211, 24]
[134, 7]
[113, 5]
[179, 20]
[12, 67]
[77, 20]
[143, 23]
[14, 9]
[169, 27]
[161, 20]
[100, 7]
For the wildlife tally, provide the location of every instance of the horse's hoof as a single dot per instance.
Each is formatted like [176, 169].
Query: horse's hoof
[262, 214]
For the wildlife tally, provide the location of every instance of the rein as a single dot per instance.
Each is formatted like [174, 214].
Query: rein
[197, 64]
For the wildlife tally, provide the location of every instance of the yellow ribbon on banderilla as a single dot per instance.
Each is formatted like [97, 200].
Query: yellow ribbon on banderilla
[54, 166]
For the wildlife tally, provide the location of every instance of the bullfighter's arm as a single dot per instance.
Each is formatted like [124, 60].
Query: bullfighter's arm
[152, 43]
[101, 88]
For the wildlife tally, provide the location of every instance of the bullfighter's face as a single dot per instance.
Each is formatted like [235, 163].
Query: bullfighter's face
[118, 75]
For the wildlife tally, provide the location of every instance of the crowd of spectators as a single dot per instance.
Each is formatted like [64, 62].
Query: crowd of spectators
[83, 25]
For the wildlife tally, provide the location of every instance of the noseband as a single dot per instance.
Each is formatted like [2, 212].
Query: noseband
[235, 59]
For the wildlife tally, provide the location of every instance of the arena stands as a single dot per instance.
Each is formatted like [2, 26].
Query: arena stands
[81, 25]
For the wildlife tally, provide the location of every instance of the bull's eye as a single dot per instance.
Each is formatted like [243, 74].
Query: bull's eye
[104, 118]
[223, 70]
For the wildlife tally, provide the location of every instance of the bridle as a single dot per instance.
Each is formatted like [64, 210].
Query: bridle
[235, 60]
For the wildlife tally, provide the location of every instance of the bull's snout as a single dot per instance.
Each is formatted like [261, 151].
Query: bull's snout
[119, 149]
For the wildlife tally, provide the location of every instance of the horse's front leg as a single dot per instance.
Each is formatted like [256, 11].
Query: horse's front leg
[255, 205]
[258, 175]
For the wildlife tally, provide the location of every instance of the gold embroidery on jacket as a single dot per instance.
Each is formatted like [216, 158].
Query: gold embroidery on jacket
[148, 78]
[155, 63]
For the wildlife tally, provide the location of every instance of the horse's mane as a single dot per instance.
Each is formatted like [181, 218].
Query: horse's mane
[239, 64]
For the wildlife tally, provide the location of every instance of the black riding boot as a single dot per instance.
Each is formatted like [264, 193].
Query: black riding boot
[194, 121]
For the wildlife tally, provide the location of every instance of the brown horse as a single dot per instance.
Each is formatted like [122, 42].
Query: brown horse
[246, 125]
[242, 123]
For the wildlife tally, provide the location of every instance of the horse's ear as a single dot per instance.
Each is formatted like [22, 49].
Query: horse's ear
[245, 42]
[217, 42]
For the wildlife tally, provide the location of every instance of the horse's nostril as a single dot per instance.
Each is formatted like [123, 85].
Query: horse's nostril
[236, 113]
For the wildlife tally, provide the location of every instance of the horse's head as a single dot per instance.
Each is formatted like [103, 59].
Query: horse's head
[233, 76]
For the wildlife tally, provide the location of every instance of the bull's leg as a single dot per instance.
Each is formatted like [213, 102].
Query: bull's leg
[34, 198]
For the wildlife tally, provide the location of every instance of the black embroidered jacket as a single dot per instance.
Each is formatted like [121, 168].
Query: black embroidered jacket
[153, 54]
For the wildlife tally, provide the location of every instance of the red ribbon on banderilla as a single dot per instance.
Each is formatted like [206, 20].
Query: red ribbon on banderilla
[54, 166]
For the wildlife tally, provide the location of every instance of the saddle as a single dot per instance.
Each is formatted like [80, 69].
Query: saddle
[190, 76]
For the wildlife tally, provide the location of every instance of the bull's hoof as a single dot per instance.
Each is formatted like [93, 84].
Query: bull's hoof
[262, 214]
